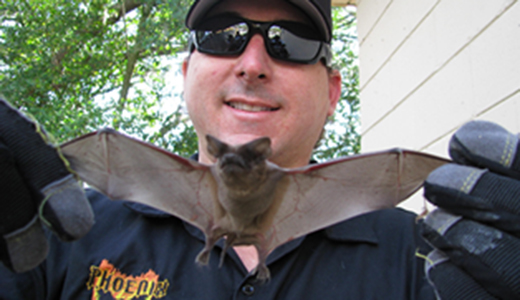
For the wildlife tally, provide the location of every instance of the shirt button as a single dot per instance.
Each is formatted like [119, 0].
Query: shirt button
[248, 289]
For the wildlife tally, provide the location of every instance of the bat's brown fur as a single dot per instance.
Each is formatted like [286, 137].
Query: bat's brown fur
[247, 184]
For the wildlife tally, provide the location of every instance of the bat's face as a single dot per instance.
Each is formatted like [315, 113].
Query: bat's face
[240, 165]
[241, 98]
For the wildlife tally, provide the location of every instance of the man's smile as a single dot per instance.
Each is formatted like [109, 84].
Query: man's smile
[249, 107]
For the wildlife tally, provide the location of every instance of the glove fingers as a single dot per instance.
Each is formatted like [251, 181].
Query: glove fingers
[477, 194]
[487, 145]
[489, 255]
[37, 161]
[66, 209]
[22, 244]
[450, 282]
[24, 248]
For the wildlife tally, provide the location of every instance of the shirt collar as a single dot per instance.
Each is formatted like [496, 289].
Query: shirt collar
[146, 210]
[358, 229]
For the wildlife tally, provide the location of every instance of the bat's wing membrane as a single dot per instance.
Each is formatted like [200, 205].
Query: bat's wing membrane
[125, 168]
[321, 195]
[313, 197]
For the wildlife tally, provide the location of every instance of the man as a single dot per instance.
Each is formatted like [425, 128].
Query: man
[246, 78]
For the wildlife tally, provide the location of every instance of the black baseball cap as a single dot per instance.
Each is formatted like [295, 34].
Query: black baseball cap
[317, 10]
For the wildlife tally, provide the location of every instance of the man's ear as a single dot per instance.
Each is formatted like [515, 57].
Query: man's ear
[334, 90]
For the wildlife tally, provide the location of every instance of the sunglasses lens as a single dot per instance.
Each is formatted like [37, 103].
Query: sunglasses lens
[287, 46]
[281, 43]
[227, 41]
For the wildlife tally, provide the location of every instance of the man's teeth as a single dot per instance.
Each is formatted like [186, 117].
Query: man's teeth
[247, 107]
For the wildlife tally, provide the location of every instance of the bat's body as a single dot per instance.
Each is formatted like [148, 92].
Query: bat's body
[247, 187]
[244, 197]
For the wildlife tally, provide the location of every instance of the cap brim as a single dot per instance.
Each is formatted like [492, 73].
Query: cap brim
[201, 7]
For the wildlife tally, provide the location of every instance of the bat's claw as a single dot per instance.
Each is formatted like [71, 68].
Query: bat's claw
[262, 273]
[203, 257]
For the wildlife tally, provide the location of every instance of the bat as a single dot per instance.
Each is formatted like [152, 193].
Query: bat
[243, 196]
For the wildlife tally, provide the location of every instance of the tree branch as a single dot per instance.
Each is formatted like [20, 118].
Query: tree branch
[133, 55]
[123, 8]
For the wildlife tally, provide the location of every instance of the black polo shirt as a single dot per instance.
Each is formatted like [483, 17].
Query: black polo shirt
[136, 252]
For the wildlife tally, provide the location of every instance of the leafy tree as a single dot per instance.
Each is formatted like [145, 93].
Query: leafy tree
[77, 66]
[341, 136]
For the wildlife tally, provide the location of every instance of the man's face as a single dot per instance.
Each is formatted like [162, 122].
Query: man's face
[241, 98]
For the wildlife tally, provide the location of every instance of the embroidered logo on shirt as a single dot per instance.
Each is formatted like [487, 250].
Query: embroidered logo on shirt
[106, 279]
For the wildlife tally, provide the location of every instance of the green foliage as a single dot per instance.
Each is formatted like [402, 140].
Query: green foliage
[341, 136]
[77, 66]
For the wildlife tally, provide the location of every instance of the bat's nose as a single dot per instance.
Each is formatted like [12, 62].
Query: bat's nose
[232, 160]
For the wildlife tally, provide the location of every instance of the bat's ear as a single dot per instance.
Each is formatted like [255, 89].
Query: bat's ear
[259, 148]
[216, 147]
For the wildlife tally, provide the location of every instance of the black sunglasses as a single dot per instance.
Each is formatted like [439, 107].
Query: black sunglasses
[280, 42]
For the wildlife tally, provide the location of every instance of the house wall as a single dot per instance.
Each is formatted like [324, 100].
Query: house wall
[429, 66]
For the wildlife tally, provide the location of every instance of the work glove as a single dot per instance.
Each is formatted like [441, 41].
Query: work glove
[35, 188]
[476, 229]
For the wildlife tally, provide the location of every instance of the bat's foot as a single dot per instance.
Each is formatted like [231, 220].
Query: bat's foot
[222, 257]
[262, 273]
[228, 242]
[203, 257]
[261, 270]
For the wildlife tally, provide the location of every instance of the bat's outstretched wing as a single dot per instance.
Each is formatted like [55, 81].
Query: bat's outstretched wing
[125, 168]
[320, 195]
[308, 199]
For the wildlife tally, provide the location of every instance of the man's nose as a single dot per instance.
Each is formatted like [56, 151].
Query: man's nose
[254, 64]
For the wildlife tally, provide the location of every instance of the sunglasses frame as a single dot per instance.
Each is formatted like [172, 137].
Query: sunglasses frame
[324, 53]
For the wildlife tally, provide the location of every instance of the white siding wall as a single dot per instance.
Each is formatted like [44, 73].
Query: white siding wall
[429, 66]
